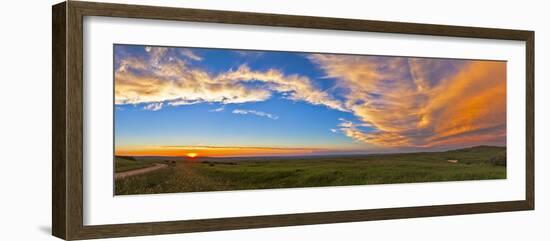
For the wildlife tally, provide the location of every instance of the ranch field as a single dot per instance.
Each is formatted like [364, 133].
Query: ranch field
[182, 174]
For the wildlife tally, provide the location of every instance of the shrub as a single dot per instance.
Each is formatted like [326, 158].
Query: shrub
[499, 159]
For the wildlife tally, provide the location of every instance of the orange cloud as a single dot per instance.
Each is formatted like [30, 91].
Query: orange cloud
[414, 102]
[473, 100]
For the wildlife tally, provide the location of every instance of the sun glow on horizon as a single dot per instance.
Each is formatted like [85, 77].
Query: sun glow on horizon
[213, 151]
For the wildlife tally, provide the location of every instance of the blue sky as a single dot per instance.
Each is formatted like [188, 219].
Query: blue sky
[220, 102]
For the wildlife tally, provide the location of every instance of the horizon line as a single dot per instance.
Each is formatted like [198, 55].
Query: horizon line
[318, 154]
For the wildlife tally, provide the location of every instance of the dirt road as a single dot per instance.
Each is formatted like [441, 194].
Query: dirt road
[157, 166]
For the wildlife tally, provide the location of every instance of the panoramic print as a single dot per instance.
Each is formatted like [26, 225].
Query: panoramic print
[203, 119]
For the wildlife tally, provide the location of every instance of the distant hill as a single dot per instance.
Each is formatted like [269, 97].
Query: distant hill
[493, 154]
[468, 154]
[482, 148]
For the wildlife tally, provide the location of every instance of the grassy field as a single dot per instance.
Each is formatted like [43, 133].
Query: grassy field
[128, 163]
[217, 174]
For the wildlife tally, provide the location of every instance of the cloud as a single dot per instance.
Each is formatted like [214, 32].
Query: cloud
[255, 112]
[220, 109]
[190, 54]
[156, 54]
[418, 102]
[153, 106]
[249, 54]
[295, 87]
[162, 76]
[395, 101]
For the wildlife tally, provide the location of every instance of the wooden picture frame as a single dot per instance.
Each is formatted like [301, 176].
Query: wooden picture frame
[67, 124]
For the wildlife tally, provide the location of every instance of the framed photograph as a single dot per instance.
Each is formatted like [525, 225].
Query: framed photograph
[171, 120]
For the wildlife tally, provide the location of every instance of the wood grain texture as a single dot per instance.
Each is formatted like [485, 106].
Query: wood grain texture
[58, 121]
[121, 230]
[279, 20]
[75, 108]
[530, 120]
[67, 78]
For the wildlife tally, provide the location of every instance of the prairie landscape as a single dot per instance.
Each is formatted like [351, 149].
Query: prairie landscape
[185, 174]
[190, 119]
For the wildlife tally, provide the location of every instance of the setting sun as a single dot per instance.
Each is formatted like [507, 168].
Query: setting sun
[190, 119]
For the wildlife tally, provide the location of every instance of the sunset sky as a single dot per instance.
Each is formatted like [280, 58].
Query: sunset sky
[217, 102]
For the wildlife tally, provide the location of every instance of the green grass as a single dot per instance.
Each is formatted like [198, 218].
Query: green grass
[474, 164]
[128, 163]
